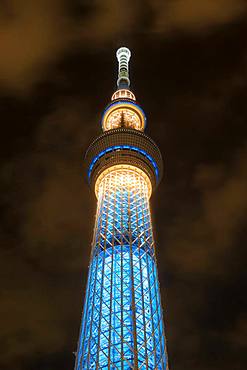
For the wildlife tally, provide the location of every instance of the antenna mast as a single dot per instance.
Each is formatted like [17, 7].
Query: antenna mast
[123, 56]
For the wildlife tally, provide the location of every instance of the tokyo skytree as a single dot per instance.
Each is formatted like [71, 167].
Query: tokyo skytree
[122, 322]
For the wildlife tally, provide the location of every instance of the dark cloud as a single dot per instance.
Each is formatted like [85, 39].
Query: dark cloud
[49, 245]
[195, 15]
[29, 317]
[35, 35]
[54, 223]
[36, 319]
[32, 34]
[201, 236]
[109, 19]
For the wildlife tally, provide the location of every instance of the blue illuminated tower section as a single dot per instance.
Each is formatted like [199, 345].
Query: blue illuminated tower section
[122, 322]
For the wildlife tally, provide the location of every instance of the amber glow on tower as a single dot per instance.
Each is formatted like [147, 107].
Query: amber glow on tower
[123, 114]
[123, 93]
[127, 176]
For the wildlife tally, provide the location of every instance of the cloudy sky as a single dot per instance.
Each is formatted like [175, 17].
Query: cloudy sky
[57, 73]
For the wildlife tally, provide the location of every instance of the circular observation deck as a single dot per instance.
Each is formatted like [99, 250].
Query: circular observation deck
[123, 112]
[123, 94]
[124, 146]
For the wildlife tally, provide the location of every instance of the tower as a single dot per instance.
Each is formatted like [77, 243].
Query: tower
[122, 322]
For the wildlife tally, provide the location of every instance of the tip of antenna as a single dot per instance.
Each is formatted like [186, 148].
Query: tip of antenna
[123, 50]
[123, 56]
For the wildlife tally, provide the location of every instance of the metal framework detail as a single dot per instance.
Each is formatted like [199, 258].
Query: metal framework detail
[122, 323]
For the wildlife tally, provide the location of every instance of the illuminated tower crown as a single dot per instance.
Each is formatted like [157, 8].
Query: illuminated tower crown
[122, 323]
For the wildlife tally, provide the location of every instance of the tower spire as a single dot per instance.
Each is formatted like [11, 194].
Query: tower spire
[123, 56]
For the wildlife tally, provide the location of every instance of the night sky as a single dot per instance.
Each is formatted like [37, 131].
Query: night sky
[57, 73]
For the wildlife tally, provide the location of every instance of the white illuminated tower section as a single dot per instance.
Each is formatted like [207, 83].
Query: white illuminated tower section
[122, 322]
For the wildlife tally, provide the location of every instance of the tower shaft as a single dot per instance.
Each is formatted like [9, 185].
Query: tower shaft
[122, 326]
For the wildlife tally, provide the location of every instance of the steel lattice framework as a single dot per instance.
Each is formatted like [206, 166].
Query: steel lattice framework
[122, 326]
[122, 322]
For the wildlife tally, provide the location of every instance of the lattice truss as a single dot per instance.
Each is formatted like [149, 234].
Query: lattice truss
[122, 325]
